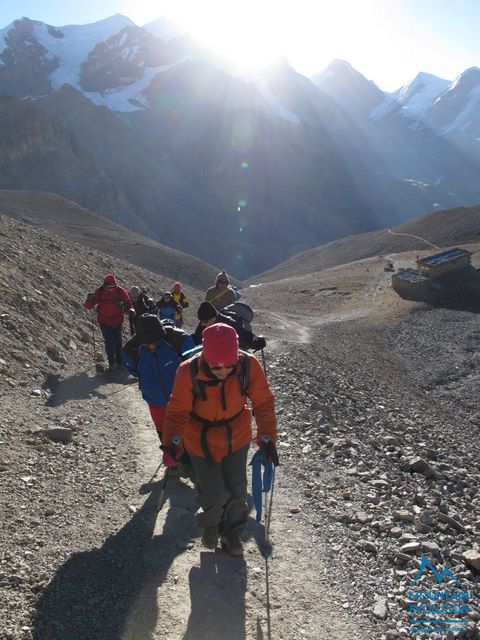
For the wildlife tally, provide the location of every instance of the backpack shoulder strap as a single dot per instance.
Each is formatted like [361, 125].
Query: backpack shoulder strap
[243, 376]
[244, 373]
[197, 388]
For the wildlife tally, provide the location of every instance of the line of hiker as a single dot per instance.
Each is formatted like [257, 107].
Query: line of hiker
[197, 399]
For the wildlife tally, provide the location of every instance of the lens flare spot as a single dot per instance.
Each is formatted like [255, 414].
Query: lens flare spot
[241, 229]
[244, 165]
[242, 203]
[239, 257]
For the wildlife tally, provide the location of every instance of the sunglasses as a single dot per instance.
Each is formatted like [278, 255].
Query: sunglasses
[110, 286]
[222, 281]
[227, 366]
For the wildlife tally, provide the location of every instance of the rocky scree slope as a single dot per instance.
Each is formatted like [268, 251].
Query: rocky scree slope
[382, 431]
[60, 499]
[57, 215]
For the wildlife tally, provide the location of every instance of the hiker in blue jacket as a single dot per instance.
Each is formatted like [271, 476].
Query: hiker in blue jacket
[168, 308]
[159, 353]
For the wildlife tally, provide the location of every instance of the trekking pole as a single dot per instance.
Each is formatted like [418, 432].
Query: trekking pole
[155, 472]
[268, 501]
[264, 364]
[267, 523]
[93, 333]
[161, 498]
[267, 594]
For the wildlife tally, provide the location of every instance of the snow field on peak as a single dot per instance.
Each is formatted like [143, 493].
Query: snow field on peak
[73, 49]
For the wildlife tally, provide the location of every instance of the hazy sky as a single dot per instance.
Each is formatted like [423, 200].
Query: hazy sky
[389, 41]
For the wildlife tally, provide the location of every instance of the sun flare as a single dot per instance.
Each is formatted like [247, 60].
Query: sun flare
[251, 34]
[246, 35]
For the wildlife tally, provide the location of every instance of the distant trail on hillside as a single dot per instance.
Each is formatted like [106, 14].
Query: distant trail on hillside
[411, 235]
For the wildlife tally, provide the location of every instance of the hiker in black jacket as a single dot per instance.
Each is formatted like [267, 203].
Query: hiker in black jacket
[208, 315]
[142, 304]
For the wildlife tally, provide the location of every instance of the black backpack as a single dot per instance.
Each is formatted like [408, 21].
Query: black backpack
[241, 312]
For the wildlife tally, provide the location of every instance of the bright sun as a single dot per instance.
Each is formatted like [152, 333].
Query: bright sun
[246, 35]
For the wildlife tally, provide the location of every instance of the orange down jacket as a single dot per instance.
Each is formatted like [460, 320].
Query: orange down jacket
[179, 422]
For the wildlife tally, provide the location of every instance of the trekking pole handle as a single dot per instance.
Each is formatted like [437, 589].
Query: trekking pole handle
[176, 440]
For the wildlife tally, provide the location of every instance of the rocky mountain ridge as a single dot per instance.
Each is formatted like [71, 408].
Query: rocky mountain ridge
[168, 142]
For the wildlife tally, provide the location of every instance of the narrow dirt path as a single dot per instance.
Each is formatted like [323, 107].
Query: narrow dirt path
[195, 594]
[411, 235]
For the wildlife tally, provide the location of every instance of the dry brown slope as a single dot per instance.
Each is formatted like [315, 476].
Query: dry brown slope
[65, 218]
[442, 228]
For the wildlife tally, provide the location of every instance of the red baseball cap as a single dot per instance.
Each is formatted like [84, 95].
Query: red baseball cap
[220, 345]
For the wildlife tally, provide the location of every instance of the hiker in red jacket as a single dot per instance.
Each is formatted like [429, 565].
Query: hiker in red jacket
[111, 301]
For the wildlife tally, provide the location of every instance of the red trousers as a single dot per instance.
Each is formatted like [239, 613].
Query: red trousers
[158, 417]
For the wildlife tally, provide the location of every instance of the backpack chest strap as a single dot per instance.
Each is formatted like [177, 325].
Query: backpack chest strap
[209, 424]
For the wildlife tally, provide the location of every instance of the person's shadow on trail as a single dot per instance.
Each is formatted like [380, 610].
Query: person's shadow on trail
[92, 595]
[82, 386]
[217, 592]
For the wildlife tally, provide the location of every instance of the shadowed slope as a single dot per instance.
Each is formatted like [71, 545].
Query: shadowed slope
[63, 217]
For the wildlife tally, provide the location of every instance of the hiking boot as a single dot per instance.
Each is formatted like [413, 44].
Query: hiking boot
[232, 545]
[210, 537]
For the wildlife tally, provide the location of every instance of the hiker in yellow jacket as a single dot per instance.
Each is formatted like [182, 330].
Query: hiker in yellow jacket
[182, 300]
[222, 293]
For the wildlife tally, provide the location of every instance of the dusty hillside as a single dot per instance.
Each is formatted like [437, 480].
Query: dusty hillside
[379, 432]
[439, 229]
[65, 218]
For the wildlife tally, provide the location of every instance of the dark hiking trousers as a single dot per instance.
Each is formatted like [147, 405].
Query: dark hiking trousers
[222, 492]
[113, 343]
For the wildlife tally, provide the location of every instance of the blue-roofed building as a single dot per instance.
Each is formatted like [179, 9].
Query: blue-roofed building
[445, 262]
[447, 279]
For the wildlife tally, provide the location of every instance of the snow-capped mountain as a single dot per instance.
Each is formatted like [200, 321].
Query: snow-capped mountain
[456, 110]
[112, 62]
[164, 29]
[448, 108]
[148, 128]
[414, 99]
[348, 87]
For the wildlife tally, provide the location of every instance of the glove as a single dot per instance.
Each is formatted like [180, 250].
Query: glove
[271, 451]
[132, 314]
[171, 455]
[89, 297]
[259, 343]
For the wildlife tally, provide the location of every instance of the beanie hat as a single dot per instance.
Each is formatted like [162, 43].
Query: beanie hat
[134, 292]
[220, 345]
[177, 287]
[222, 277]
[149, 329]
[206, 311]
[110, 279]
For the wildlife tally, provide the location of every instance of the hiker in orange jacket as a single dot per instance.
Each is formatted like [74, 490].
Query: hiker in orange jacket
[208, 415]
[111, 301]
